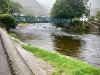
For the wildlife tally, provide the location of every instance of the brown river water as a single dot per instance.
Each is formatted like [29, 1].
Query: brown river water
[84, 46]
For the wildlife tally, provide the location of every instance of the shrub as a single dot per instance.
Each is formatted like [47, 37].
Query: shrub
[98, 15]
[8, 21]
[92, 18]
[78, 24]
[76, 20]
[99, 18]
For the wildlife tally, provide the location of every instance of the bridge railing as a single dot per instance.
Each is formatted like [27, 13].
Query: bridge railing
[31, 19]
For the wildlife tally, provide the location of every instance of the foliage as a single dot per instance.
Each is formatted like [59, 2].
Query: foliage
[12, 34]
[76, 20]
[92, 18]
[64, 65]
[85, 1]
[99, 18]
[4, 6]
[68, 9]
[78, 24]
[16, 40]
[15, 8]
[98, 15]
[8, 20]
[14, 37]
[84, 25]
[75, 23]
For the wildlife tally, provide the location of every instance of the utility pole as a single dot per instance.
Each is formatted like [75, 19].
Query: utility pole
[89, 10]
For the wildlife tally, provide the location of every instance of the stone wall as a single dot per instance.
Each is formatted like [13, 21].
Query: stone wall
[92, 27]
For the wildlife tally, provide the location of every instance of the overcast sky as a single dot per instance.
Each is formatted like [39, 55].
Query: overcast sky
[94, 3]
[47, 2]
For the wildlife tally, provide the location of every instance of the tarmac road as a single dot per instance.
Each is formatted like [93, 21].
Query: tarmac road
[4, 66]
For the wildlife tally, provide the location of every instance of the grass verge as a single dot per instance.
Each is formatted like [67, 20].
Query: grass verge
[12, 34]
[16, 40]
[14, 37]
[64, 65]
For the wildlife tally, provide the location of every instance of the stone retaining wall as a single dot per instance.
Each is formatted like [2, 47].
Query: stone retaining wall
[92, 27]
[17, 63]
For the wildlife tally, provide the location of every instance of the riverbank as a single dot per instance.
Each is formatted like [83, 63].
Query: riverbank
[37, 65]
[23, 24]
[64, 65]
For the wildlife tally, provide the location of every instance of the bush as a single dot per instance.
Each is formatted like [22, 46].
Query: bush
[99, 18]
[98, 15]
[8, 21]
[78, 24]
[76, 20]
[92, 18]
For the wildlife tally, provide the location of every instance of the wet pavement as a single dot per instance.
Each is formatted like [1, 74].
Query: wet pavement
[4, 66]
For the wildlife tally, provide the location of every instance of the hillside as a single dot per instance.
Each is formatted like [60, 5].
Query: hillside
[46, 6]
[33, 6]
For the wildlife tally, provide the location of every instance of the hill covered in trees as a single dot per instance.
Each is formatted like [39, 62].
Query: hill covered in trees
[32, 6]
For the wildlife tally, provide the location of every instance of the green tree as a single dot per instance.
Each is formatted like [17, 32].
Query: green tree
[68, 9]
[98, 15]
[15, 7]
[85, 1]
[4, 6]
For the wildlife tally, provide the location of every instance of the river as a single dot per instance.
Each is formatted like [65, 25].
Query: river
[84, 46]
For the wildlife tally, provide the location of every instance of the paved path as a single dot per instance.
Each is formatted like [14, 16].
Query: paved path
[4, 67]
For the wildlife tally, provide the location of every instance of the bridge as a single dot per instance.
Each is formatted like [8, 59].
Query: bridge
[31, 19]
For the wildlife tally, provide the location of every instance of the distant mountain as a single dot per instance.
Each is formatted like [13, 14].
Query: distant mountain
[46, 6]
[94, 11]
[34, 7]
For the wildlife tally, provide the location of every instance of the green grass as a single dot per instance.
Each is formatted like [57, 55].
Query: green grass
[12, 34]
[16, 40]
[64, 65]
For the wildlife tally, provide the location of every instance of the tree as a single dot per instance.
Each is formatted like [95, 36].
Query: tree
[68, 9]
[85, 1]
[98, 15]
[87, 12]
[4, 6]
[15, 8]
